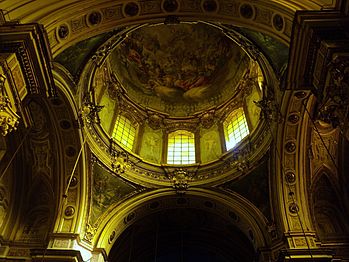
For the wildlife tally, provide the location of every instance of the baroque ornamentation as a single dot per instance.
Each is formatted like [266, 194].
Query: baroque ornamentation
[120, 161]
[278, 22]
[63, 31]
[335, 102]
[90, 232]
[94, 18]
[111, 237]
[269, 110]
[293, 118]
[293, 208]
[103, 51]
[170, 5]
[241, 165]
[290, 177]
[131, 9]
[155, 121]
[8, 118]
[180, 179]
[207, 119]
[89, 113]
[69, 211]
[246, 11]
[209, 5]
[290, 147]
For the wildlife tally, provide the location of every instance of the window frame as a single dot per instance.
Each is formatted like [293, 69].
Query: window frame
[132, 125]
[225, 125]
[195, 144]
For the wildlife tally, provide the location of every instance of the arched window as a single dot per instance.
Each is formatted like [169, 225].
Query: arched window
[181, 148]
[235, 128]
[124, 132]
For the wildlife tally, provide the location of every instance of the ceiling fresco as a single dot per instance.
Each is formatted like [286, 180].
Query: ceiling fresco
[178, 69]
[275, 51]
[107, 190]
[255, 187]
[75, 57]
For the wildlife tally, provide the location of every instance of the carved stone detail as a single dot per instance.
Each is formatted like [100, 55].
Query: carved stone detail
[120, 162]
[8, 118]
[69, 211]
[209, 5]
[131, 9]
[155, 121]
[63, 31]
[290, 177]
[290, 147]
[324, 149]
[180, 179]
[4, 202]
[335, 102]
[103, 51]
[293, 118]
[90, 232]
[207, 119]
[111, 237]
[269, 110]
[170, 5]
[293, 208]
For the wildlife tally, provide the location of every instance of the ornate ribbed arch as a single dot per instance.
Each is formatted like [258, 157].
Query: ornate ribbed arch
[241, 213]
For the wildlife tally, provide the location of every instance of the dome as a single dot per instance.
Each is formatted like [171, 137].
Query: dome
[178, 69]
[186, 78]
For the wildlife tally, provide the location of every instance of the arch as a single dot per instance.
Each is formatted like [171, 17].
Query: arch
[67, 116]
[66, 25]
[182, 234]
[326, 208]
[238, 210]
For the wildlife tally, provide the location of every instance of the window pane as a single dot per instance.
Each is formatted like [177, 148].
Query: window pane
[181, 148]
[124, 132]
[235, 128]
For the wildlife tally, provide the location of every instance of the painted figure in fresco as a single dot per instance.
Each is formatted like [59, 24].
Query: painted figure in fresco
[177, 63]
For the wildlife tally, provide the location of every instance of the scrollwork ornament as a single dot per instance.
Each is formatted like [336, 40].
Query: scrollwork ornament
[9, 120]
[120, 162]
[89, 113]
[90, 232]
[180, 179]
[293, 208]
[269, 110]
[241, 165]
[207, 119]
[69, 211]
[290, 177]
[334, 104]
[155, 121]
[104, 50]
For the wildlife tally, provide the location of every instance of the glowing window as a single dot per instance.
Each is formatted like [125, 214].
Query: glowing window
[124, 132]
[181, 148]
[235, 128]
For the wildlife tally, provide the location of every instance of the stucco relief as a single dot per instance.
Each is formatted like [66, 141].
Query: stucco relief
[4, 203]
[324, 147]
